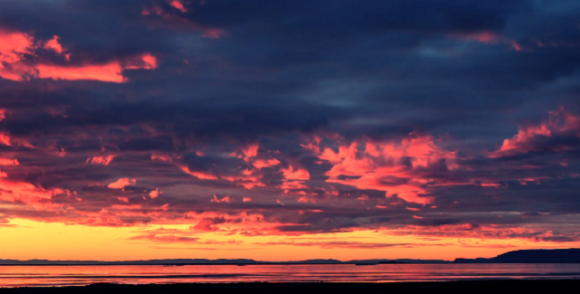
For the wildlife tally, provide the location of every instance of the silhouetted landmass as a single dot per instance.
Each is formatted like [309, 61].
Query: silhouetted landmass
[496, 287]
[175, 262]
[396, 261]
[520, 256]
[530, 256]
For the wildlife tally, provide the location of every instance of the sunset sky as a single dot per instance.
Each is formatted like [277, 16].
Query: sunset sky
[288, 129]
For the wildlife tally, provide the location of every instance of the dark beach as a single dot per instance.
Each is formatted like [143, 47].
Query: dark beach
[487, 286]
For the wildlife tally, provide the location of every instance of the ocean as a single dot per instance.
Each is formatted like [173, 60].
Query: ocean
[20, 276]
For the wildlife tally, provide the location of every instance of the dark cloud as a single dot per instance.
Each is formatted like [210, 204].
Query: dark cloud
[293, 117]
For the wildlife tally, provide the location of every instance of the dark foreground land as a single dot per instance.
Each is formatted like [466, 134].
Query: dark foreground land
[492, 287]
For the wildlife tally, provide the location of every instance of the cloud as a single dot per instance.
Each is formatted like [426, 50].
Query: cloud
[111, 72]
[5, 139]
[260, 164]
[344, 244]
[103, 160]
[122, 183]
[209, 224]
[178, 5]
[393, 167]
[9, 161]
[559, 133]
[28, 194]
[53, 44]
[14, 66]
[164, 238]
[294, 177]
[225, 199]
[198, 174]
[331, 117]
[155, 193]
[14, 45]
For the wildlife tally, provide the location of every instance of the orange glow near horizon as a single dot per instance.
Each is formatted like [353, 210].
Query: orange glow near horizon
[76, 242]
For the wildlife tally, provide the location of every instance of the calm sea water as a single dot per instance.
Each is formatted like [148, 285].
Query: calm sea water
[16, 276]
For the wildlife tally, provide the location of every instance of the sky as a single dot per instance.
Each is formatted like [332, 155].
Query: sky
[288, 130]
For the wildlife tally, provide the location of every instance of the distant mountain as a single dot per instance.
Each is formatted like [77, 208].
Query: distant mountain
[530, 256]
[520, 256]
[133, 262]
[209, 262]
[397, 261]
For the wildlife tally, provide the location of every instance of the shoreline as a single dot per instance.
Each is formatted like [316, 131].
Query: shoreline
[259, 264]
[495, 286]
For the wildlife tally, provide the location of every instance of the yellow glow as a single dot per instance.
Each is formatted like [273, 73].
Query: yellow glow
[56, 241]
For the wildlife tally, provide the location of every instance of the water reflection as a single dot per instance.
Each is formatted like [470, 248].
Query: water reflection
[11, 276]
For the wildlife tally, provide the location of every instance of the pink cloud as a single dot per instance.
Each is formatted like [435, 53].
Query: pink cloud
[111, 72]
[313, 144]
[178, 5]
[103, 160]
[161, 157]
[382, 166]
[247, 199]
[292, 173]
[145, 61]
[248, 152]
[209, 224]
[13, 46]
[198, 174]
[155, 193]
[27, 193]
[123, 199]
[263, 163]
[306, 199]
[251, 150]
[225, 199]
[294, 178]
[5, 139]
[248, 179]
[122, 183]
[490, 185]
[53, 44]
[8, 161]
[559, 123]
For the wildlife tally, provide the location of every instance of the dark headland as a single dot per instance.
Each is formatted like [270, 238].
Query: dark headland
[530, 256]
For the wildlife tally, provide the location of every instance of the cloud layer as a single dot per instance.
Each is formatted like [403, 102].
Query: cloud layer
[286, 118]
